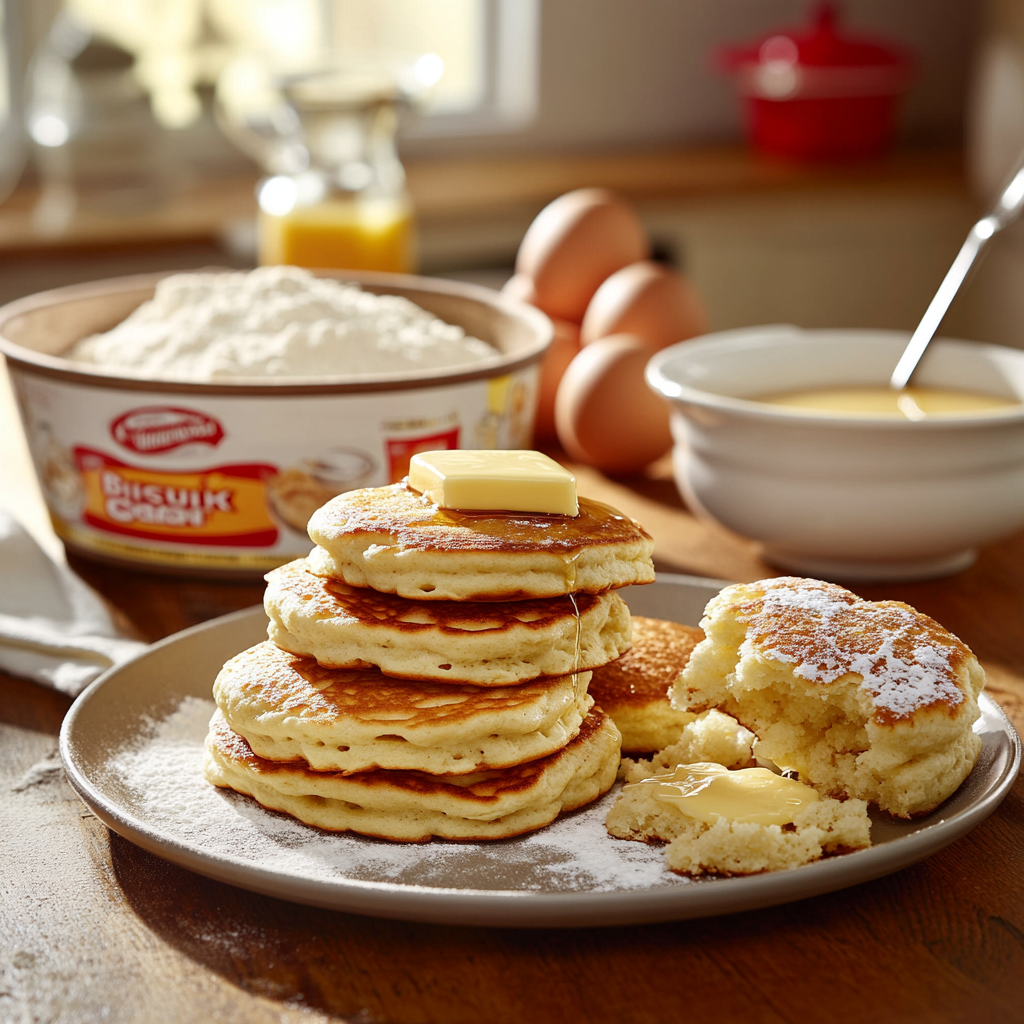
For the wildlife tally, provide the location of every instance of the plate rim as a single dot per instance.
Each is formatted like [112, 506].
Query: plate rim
[526, 908]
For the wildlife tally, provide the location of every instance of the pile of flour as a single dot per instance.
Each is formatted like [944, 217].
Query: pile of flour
[276, 322]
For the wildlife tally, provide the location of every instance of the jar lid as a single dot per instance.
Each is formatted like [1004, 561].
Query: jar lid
[818, 60]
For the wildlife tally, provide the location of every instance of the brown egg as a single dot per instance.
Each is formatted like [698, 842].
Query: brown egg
[564, 347]
[574, 243]
[519, 286]
[605, 414]
[647, 299]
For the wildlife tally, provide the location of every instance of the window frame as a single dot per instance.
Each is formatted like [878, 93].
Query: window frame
[511, 66]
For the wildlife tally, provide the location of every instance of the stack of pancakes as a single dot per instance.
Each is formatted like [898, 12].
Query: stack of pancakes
[427, 669]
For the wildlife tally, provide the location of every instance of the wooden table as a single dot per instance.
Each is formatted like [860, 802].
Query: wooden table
[92, 928]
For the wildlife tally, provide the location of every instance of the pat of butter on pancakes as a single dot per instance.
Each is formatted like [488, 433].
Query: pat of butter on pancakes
[513, 481]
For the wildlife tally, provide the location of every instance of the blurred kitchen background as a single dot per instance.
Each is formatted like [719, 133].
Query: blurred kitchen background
[135, 134]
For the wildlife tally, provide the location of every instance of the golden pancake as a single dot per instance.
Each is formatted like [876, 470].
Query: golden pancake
[484, 643]
[865, 699]
[289, 708]
[634, 689]
[394, 540]
[411, 806]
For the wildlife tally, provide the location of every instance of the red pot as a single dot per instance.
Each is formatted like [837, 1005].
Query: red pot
[816, 94]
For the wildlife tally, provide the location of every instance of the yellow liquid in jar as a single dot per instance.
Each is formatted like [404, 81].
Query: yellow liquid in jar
[346, 234]
[910, 403]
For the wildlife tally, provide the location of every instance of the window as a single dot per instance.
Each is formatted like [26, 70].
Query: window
[478, 57]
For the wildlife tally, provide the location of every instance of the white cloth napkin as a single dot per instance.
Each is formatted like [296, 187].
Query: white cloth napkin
[53, 628]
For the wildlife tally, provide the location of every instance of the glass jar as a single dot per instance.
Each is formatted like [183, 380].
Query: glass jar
[335, 193]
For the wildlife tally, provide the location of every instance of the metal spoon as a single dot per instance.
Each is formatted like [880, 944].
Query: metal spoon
[1005, 211]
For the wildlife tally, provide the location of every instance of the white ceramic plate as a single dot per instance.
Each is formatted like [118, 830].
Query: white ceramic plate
[132, 746]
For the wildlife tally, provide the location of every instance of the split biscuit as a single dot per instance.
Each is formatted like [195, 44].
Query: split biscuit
[484, 643]
[409, 806]
[394, 540]
[634, 689]
[288, 708]
[864, 699]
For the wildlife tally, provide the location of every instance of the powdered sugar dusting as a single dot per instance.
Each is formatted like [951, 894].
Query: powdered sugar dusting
[906, 660]
[161, 773]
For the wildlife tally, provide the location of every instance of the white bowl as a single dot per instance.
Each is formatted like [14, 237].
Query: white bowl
[845, 496]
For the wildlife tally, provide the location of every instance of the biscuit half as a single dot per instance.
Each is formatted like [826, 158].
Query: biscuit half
[733, 847]
[728, 847]
[864, 699]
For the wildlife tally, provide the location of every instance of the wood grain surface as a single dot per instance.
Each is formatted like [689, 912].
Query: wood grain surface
[95, 929]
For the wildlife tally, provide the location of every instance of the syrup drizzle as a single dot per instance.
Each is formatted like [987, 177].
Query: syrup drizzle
[570, 581]
[579, 643]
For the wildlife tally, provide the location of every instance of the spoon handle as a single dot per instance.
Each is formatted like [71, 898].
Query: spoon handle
[976, 239]
[1007, 209]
